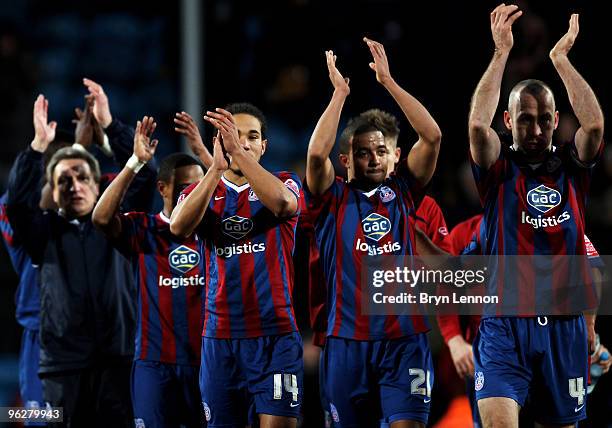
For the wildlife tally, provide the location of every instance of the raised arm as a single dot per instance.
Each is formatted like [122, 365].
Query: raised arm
[319, 168]
[582, 98]
[270, 190]
[25, 215]
[184, 124]
[424, 154]
[190, 211]
[484, 142]
[106, 213]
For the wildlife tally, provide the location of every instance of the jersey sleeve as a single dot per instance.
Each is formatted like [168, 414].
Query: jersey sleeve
[408, 184]
[582, 171]
[186, 191]
[294, 184]
[435, 224]
[593, 255]
[488, 180]
[449, 326]
[320, 205]
[132, 240]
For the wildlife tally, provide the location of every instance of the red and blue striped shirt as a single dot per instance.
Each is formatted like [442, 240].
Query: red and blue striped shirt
[350, 226]
[249, 263]
[170, 278]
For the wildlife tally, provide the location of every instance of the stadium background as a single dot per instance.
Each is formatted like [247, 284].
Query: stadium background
[271, 54]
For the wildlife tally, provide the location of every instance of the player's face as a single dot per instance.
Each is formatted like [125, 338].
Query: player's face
[249, 132]
[183, 177]
[391, 160]
[370, 158]
[74, 188]
[532, 121]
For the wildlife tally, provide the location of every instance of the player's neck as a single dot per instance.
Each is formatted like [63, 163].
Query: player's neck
[237, 179]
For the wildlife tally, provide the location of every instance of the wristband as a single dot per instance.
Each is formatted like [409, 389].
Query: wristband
[134, 164]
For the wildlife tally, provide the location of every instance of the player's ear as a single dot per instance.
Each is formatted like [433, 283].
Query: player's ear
[507, 120]
[556, 119]
[398, 153]
[264, 145]
[344, 160]
[162, 188]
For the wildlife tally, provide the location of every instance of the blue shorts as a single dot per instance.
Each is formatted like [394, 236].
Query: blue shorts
[30, 386]
[165, 395]
[369, 383]
[240, 378]
[543, 360]
[471, 394]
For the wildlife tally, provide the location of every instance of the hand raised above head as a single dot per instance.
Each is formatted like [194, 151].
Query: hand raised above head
[565, 43]
[502, 18]
[144, 147]
[339, 82]
[44, 131]
[101, 107]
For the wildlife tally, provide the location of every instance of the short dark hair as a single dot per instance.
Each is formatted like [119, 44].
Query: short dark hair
[250, 109]
[368, 121]
[533, 87]
[72, 153]
[174, 161]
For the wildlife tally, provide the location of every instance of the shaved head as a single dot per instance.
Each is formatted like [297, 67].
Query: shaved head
[534, 87]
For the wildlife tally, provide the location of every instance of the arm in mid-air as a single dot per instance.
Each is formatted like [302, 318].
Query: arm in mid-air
[319, 168]
[106, 213]
[484, 141]
[184, 124]
[270, 190]
[25, 215]
[141, 193]
[190, 211]
[424, 153]
[589, 136]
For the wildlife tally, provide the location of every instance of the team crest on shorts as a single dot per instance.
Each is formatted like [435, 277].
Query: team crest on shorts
[252, 196]
[479, 381]
[206, 411]
[139, 423]
[334, 413]
[386, 194]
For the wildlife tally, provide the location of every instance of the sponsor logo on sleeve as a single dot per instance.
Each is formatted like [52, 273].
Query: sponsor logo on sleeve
[292, 185]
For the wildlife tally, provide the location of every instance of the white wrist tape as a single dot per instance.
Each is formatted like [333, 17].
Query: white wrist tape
[134, 164]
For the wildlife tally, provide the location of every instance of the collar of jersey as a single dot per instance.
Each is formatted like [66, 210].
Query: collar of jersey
[163, 217]
[234, 186]
[371, 192]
